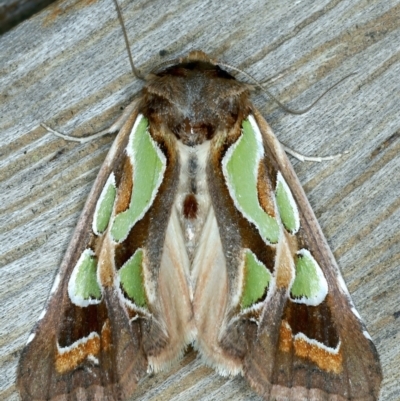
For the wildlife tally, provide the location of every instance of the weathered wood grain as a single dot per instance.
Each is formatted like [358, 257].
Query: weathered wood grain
[67, 66]
[13, 12]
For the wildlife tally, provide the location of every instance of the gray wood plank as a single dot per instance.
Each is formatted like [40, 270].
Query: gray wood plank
[13, 12]
[67, 66]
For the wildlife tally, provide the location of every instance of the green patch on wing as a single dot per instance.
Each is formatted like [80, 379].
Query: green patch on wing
[256, 280]
[241, 173]
[287, 206]
[148, 169]
[105, 206]
[309, 286]
[85, 285]
[131, 278]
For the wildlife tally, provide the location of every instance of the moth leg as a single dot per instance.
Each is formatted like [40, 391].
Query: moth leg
[304, 158]
[111, 130]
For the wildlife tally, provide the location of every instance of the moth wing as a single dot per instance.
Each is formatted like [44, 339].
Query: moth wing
[47, 368]
[293, 337]
[104, 326]
[320, 348]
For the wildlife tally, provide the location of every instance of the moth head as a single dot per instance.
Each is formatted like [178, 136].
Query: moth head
[197, 55]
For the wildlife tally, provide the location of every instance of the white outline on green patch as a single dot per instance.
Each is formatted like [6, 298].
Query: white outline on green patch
[309, 286]
[240, 168]
[287, 206]
[131, 278]
[104, 206]
[75, 289]
[149, 164]
[257, 279]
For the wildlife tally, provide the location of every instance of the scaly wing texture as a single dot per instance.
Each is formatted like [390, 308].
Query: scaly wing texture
[286, 320]
[323, 348]
[113, 313]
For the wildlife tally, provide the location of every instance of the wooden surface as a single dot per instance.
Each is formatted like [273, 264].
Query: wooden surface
[13, 12]
[67, 66]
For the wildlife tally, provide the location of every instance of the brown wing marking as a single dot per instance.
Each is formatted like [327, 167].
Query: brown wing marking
[316, 352]
[80, 352]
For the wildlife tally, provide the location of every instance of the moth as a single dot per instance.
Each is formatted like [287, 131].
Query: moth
[197, 231]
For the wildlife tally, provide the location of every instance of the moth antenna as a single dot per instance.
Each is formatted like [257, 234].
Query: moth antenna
[111, 130]
[281, 105]
[135, 71]
[304, 158]
[75, 138]
[166, 63]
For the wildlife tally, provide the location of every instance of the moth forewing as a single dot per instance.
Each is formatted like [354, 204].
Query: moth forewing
[198, 231]
[72, 332]
[350, 366]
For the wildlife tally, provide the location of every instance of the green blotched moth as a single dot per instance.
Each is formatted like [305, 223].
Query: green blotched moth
[197, 231]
